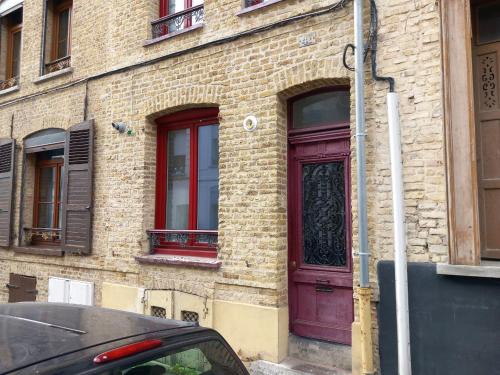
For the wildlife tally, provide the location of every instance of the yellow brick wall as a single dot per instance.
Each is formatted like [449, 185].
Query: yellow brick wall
[255, 75]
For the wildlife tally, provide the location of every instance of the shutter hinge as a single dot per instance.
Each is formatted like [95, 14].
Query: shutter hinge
[12, 286]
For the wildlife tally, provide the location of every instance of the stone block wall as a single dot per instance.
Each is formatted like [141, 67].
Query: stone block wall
[252, 74]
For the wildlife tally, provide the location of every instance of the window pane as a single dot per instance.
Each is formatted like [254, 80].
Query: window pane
[61, 185]
[322, 109]
[16, 53]
[46, 184]
[62, 37]
[175, 6]
[249, 3]
[488, 19]
[178, 179]
[208, 177]
[203, 358]
[45, 215]
[197, 17]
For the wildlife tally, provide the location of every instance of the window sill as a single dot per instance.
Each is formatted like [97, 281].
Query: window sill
[177, 260]
[171, 35]
[487, 269]
[35, 250]
[255, 7]
[9, 90]
[53, 75]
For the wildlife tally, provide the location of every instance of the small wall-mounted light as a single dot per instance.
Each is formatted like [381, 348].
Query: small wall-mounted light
[250, 123]
[121, 127]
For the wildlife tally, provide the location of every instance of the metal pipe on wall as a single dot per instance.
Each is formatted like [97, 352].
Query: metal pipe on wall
[364, 291]
[364, 278]
[400, 264]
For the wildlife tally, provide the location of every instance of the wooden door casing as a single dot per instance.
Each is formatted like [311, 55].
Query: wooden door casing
[321, 297]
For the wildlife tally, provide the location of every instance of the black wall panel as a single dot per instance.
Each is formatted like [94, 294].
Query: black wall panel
[454, 322]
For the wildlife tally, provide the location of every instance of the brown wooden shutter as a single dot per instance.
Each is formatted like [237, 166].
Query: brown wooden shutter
[22, 288]
[7, 152]
[77, 189]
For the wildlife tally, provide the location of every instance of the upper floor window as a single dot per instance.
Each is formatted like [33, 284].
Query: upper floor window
[252, 4]
[187, 184]
[58, 35]
[249, 3]
[10, 48]
[177, 15]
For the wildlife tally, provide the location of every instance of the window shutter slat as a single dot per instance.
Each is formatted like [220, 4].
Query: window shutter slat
[7, 152]
[77, 189]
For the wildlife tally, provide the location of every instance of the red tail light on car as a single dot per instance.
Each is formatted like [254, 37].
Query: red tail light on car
[126, 351]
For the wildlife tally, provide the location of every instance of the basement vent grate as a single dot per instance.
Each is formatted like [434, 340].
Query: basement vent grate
[190, 316]
[158, 312]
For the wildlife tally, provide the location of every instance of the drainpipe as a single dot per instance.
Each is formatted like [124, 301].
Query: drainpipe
[364, 290]
[398, 207]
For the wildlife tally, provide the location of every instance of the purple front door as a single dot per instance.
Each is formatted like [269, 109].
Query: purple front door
[320, 265]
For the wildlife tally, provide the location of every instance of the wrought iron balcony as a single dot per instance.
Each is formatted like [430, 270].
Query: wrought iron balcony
[8, 83]
[182, 239]
[33, 235]
[178, 21]
[58, 64]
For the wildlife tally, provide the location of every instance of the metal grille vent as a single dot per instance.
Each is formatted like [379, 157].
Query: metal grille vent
[79, 147]
[5, 158]
[158, 312]
[190, 316]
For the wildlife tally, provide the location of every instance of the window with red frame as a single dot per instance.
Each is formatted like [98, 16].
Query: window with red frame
[249, 3]
[187, 184]
[172, 7]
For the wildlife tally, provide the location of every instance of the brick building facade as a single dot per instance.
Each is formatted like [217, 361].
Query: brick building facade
[122, 67]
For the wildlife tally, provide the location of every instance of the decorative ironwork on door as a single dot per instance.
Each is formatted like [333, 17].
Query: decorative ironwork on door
[324, 226]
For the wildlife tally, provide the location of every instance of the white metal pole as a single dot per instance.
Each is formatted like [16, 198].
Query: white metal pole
[400, 265]
[359, 83]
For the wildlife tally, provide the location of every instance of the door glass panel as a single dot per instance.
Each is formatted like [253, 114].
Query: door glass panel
[208, 177]
[323, 216]
[488, 23]
[178, 179]
[327, 108]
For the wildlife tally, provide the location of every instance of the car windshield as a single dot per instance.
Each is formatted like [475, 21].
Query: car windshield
[204, 358]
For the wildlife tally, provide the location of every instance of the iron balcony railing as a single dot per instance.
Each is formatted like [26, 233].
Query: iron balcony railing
[182, 239]
[178, 21]
[58, 64]
[32, 235]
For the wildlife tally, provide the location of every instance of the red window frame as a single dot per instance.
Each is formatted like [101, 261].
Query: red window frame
[192, 119]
